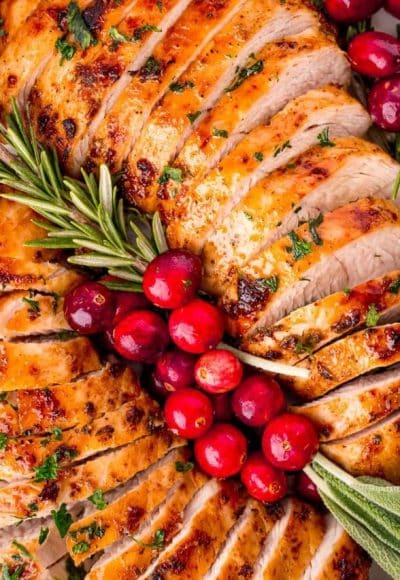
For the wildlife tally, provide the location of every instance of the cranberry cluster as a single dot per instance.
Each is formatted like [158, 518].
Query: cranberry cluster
[208, 394]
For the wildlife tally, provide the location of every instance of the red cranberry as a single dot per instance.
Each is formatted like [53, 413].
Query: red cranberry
[222, 408]
[257, 400]
[141, 336]
[290, 441]
[222, 451]
[307, 488]
[196, 327]
[375, 54]
[352, 10]
[89, 308]
[172, 279]
[393, 6]
[175, 369]
[384, 103]
[126, 302]
[188, 413]
[218, 371]
[157, 388]
[262, 481]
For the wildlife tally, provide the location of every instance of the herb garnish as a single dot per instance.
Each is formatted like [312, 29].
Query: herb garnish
[347, 291]
[48, 470]
[324, 140]
[92, 531]
[180, 87]
[4, 439]
[193, 116]
[97, 499]
[33, 304]
[300, 248]
[6, 575]
[244, 74]
[220, 133]
[305, 345]
[259, 156]
[44, 532]
[280, 148]
[182, 467]
[395, 286]
[21, 548]
[66, 49]
[81, 548]
[158, 542]
[313, 223]
[62, 519]
[173, 173]
[372, 316]
[78, 27]
[272, 283]
[138, 33]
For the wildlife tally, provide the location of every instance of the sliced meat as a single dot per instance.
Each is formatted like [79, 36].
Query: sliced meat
[39, 411]
[338, 556]
[374, 451]
[128, 512]
[245, 542]
[192, 552]
[117, 132]
[320, 180]
[69, 359]
[358, 405]
[292, 543]
[201, 209]
[283, 70]
[307, 329]
[15, 560]
[364, 351]
[129, 557]
[29, 456]
[13, 14]
[30, 313]
[173, 120]
[68, 102]
[339, 250]
[20, 500]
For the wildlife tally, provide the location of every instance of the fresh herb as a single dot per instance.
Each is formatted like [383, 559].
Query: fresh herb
[272, 283]
[305, 346]
[259, 156]
[33, 508]
[21, 548]
[48, 470]
[324, 140]
[151, 69]
[396, 187]
[180, 87]
[300, 247]
[244, 74]
[62, 519]
[44, 532]
[3, 31]
[6, 575]
[220, 133]
[158, 542]
[395, 286]
[33, 304]
[347, 291]
[173, 173]
[372, 316]
[4, 439]
[193, 116]
[313, 223]
[66, 49]
[139, 32]
[98, 500]
[57, 433]
[92, 531]
[78, 27]
[182, 467]
[81, 548]
[118, 36]
[280, 148]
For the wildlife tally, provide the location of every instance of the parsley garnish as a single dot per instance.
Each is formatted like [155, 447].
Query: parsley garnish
[280, 148]
[324, 140]
[220, 133]
[92, 531]
[151, 69]
[14, 576]
[33, 304]
[57, 433]
[66, 50]
[173, 173]
[62, 519]
[158, 543]
[305, 346]
[272, 283]
[180, 87]
[245, 73]
[81, 548]
[4, 439]
[258, 156]
[395, 286]
[118, 36]
[98, 500]
[44, 532]
[48, 470]
[182, 467]
[78, 27]
[300, 247]
[22, 549]
[313, 223]
[138, 32]
[372, 316]
[193, 116]
[347, 291]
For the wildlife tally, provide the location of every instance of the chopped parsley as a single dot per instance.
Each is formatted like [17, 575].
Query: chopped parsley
[300, 248]
[158, 542]
[193, 116]
[22, 549]
[118, 36]
[313, 223]
[152, 69]
[92, 531]
[6, 575]
[48, 470]
[259, 156]
[180, 87]
[4, 439]
[173, 173]
[56, 433]
[272, 283]
[220, 133]
[78, 27]
[372, 316]
[245, 73]
[280, 148]
[324, 140]
[66, 49]
[395, 286]
[44, 532]
[81, 548]
[62, 519]
[182, 467]
[347, 291]
[305, 346]
[98, 500]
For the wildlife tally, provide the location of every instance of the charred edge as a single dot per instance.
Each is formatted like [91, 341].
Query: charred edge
[251, 298]
[135, 187]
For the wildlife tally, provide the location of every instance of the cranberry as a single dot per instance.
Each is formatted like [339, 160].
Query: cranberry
[307, 488]
[393, 6]
[141, 336]
[384, 103]
[175, 369]
[257, 400]
[172, 279]
[222, 451]
[126, 302]
[196, 327]
[222, 407]
[262, 481]
[218, 371]
[157, 388]
[89, 308]
[188, 413]
[375, 54]
[290, 441]
[352, 10]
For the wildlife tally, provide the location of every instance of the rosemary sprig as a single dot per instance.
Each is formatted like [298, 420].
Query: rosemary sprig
[87, 215]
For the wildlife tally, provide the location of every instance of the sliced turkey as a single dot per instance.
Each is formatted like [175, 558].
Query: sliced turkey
[13, 14]
[358, 405]
[364, 351]
[197, 212]
[374, 451]
[178, 114]
[339, 250]
[330, 174]
[307, 329]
